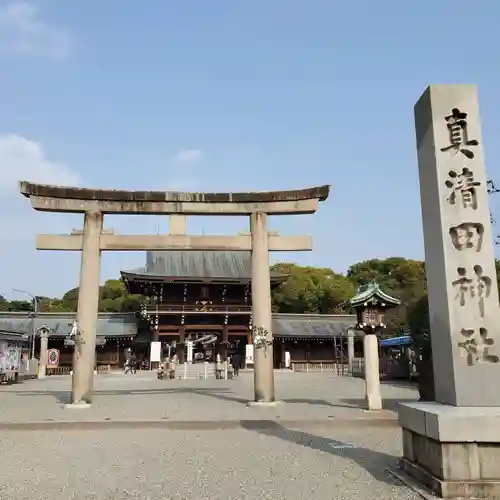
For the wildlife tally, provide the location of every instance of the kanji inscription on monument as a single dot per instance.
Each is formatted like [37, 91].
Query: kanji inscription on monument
[461, 276]
[459, 134]
[477, 287]
[476, 345]
[462, 188]
[467, 236]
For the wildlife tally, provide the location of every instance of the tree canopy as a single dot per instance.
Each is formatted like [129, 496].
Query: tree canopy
[311, 290]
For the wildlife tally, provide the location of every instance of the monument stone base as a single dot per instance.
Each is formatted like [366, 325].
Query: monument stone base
[454, 451]
[78, 405]
[263, 404]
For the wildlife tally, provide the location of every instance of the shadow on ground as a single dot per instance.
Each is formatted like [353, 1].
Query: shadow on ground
[374, 462]
[406, 384]
[65, 396]
[220, 394]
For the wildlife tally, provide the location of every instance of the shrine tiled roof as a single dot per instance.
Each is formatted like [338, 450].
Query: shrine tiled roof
[196, 264]
[312, 325]
[372, 291]
[59, 324]
[297, 326]
[11, 336]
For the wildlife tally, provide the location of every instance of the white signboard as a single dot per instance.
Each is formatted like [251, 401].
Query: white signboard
[189, 344]
[287, 359]
[249, 355]
[155, 355]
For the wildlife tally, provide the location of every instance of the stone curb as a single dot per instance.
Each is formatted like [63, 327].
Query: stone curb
[411, 483]
[196, 424]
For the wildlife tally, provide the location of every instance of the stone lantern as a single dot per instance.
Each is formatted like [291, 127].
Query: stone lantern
[370, 304]
[44, 333]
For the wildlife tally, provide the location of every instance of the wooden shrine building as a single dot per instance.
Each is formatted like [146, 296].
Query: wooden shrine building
[195, 294]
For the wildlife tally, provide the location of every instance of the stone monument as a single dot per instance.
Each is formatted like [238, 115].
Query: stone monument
[452, 445]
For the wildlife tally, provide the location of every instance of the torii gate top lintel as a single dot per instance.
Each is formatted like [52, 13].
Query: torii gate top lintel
[73, 199]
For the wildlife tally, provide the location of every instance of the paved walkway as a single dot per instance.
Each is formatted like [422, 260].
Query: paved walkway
[277, 461]
[306, 397]
[281, 464]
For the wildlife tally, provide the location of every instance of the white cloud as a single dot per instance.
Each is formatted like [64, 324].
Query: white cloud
[24, 159]
[22, 266]
[188, 156]
[24, 31]
[184, 173]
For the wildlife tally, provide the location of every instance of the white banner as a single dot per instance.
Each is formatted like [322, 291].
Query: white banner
[287, 359]
[10, 356]
[189, 344]
[155, 352]
[249, 355]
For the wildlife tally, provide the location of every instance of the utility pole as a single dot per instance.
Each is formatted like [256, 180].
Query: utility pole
[33, 315]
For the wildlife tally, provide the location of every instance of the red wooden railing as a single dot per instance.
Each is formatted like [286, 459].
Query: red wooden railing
[200, 309]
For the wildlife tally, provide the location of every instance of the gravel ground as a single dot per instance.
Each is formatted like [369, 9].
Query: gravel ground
[277, 463]
[118, 397]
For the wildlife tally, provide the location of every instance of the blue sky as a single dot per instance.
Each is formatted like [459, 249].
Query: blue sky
[219, 95]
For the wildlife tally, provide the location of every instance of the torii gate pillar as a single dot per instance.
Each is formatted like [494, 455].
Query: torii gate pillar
[261, 310]
[88, 309]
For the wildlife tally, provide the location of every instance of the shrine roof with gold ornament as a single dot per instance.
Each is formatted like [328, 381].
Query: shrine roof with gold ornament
[371, 291]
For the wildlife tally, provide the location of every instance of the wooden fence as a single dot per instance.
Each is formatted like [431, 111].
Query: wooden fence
[66, 370]
[389, 368]
[320, 366]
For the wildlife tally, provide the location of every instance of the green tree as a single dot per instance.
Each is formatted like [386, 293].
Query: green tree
[114, 297]
[70, 300]
[20, 305]
[113, 289]
[310, 290]
[4, 303]
[58, 305]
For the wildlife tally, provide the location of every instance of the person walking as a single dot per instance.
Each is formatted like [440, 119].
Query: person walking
[218, 367]
[130, 362]
[236, 363]
[173, 365]
[133, 363]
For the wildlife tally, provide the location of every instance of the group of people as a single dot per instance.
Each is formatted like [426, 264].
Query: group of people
[132, 363]
[233, 361]
[167, 368]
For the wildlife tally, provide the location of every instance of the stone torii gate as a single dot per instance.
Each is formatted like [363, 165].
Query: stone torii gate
[94, 203]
